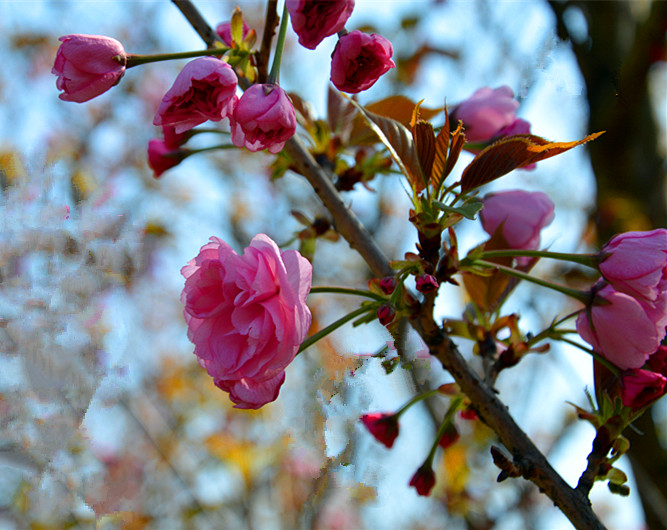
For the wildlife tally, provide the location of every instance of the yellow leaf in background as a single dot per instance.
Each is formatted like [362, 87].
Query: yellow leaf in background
[11, 168]
[455, 467]
[126, 520]
[83, 184]
[363, 494]
[246, 456]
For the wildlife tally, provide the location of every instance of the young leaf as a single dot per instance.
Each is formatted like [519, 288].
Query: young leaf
[437, 174]
[340, 113]
[424, 139]
[398, 108]
[398, 141]
[511, 153]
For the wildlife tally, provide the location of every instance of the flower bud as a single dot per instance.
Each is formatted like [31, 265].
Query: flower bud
[359, 60]
[449, 437]
[640, 388]
[423, 480]
[522, 215]
[313, 20]
[204, 90]
[264, 118]
[486, 113]
[87, 66]
[224, 31]
[426, 283]
[388, 284]
[620, 328]
[386, 314]
[383, 426]
[161, 157]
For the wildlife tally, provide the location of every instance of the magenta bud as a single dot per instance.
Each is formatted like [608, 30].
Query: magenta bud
[386, 314]
[388, 284]
[426, 283]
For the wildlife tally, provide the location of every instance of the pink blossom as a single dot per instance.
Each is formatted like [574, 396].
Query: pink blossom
[522, 215]
[313, 20]
[486, 113]
[264, 118]
[518, 126]
[635, 263]
[247, 315]
[87, 66]
[423, 480]
[620, 328]
[359, 60]
[204, 90]
[640, 388]
[161, 157]
[383, 426]
[224, 30]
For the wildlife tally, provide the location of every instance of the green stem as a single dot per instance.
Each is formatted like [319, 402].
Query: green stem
[189, 152]
[549, 332]
[582, 296]
[345, 290]
[136, 60]
[414, 400]
[453, 407]
[612, 368]
[275, 67]
[589, 260]
[332, 327]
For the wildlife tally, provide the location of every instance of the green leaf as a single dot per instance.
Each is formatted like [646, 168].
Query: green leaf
[468, 210]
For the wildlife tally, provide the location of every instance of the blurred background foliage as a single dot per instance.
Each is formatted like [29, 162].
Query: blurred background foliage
[106, 418]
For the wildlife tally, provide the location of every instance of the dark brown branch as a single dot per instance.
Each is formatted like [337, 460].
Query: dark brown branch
[270, 25]
[197, 21]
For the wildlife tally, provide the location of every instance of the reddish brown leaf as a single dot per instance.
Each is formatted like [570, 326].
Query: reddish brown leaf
[437, 173]
[398, 108]
[398, 140]
[424, 138]
[511, 153]
[340, 113]
[455, 147]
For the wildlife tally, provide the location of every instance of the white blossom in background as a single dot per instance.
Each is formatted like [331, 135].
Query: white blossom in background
[57, 262]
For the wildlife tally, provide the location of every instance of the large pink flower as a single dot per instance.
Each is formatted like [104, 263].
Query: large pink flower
[486, 113]
[247, 315]
[264, 118]
[204, 90]
[522, 215]
[87, 66]
[620, 328]
[359, 60]
[636, 263]
[313, 20]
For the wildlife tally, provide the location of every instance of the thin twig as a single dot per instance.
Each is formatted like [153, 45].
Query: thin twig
[264, 54]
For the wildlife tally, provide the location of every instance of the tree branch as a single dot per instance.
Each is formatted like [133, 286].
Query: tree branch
[532, 463]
